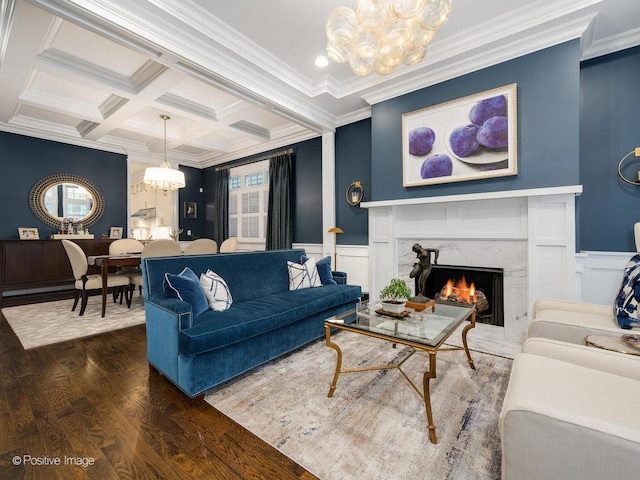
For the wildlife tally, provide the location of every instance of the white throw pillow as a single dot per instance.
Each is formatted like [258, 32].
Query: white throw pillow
[303, 276]
[216, 291]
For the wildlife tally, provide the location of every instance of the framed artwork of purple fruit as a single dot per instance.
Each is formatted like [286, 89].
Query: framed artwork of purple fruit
[468, 138]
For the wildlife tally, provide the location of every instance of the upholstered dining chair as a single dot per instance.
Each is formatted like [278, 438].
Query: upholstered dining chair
[84, 283]
[229, 245]
[163, 247]
[201, 246]
[123, 246]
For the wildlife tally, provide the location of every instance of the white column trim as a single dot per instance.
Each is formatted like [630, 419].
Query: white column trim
[328, 191]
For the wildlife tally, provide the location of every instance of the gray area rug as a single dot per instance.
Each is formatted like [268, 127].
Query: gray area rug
[52, 322]
[375, 425]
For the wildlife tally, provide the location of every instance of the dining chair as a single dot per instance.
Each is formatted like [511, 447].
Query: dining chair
[201, 246]
[85, 283]
[163, 247]
[229, 245]
[123, 246]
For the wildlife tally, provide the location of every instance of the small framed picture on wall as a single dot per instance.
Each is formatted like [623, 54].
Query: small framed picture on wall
[190, 210]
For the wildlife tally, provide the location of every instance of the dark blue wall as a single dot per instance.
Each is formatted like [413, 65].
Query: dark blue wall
[548, 125]
[26, 160]
[609, 129]
[191, 193]
[353, 163]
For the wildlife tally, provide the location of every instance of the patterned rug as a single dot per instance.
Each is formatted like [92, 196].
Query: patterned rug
[375, 425]
[52, 322]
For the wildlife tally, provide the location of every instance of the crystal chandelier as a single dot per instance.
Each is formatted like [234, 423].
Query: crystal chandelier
[164, 177]
[381, 34]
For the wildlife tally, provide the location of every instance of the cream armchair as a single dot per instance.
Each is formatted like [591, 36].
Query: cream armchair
[572, 321]
[570, 413]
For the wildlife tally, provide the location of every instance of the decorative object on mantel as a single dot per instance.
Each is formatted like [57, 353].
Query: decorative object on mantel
[636, 153]
[378, 36]
[470, 138]
[422, 270]
[355, 193]
[395, 295]
[28, 233]
[164, 177]
[336, 231]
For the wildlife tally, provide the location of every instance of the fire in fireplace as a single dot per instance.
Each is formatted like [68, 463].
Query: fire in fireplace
[480, 286]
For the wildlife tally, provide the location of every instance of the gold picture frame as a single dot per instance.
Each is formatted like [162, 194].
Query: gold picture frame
[469, 138]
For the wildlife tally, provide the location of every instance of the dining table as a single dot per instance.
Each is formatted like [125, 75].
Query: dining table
[105, 262]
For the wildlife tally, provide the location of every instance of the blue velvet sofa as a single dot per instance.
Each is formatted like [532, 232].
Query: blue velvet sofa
[265, 320]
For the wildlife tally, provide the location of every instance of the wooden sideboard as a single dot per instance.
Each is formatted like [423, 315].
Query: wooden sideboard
[40, 264]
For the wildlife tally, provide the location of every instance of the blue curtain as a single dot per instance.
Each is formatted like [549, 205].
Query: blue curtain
[221, 217]
[280, 221]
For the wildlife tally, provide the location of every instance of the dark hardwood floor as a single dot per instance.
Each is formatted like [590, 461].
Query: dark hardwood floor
[95, 400]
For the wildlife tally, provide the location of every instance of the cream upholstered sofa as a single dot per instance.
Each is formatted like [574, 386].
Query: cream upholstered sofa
[570, 412]
[570, 321]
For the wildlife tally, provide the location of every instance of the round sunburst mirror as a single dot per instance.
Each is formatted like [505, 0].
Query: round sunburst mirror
[57, 197]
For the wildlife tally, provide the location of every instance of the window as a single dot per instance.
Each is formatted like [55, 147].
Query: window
[234, 183]
[248, 203]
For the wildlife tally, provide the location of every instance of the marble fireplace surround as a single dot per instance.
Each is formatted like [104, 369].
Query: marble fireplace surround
[528, 233]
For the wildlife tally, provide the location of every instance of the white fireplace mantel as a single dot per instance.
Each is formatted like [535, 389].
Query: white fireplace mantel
[472, 197]
[529, 233]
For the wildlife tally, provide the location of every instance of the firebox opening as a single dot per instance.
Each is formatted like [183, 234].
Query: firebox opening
[488, 283]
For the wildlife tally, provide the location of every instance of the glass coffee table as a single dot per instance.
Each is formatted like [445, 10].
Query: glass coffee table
[426, 331]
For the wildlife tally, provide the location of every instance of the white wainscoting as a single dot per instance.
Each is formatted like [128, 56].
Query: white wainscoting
[352, 259]
[599, 275]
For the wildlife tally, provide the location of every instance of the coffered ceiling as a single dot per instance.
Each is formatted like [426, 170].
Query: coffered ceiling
[238, 78]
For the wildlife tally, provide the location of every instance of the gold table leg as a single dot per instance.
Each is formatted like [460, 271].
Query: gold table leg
[471, 325]
[332, 389]
[427, 396]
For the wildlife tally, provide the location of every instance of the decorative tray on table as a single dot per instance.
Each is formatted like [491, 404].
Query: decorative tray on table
[633, 340]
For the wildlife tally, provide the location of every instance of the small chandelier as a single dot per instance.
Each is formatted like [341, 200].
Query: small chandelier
[164, 177]
[381, 34]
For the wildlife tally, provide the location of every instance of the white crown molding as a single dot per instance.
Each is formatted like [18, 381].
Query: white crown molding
[7, 10]
[612, 44]
[256, 149]
[48, 131]
[455, 65]
[352, 117]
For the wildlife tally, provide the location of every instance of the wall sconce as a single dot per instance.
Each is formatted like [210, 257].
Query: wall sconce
[335, 230]
[636, 153]
[355, 193]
